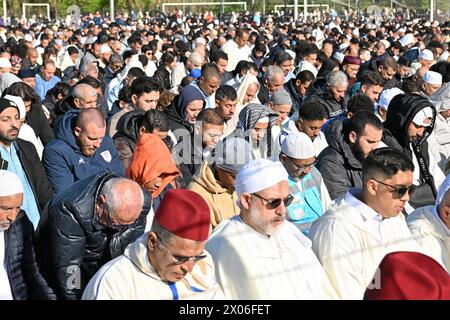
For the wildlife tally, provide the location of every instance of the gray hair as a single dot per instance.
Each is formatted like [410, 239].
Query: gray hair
[115, 200]
[164, 235]
[196, 58]
[83, 90]
[273, 71]
[88, 68]
[115, 58]
[337, 78]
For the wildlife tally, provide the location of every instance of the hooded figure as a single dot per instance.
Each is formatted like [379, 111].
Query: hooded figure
[252, 114]
[127, 135]
[153, 167]
[177, 111]
[402, 110]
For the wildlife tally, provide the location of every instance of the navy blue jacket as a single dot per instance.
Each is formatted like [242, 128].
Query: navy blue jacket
[64, 162]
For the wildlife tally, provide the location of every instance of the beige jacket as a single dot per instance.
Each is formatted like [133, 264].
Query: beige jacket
[222, 203]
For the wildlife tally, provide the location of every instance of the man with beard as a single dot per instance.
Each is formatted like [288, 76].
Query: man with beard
[311, 198]
[353, 237]
[226, 100]
[260, 255]
[20, 157]
[409, 122]
[349, 143]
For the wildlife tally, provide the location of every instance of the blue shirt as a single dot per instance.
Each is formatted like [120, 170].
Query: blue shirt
[29, 204]
[43, 86]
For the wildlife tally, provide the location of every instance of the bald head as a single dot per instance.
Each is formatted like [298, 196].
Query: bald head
[123, 199]
[88, 116]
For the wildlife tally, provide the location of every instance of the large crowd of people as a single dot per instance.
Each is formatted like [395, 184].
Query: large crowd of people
[248, 159]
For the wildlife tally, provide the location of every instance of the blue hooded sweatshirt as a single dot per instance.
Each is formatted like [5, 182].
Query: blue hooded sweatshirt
[64, 162]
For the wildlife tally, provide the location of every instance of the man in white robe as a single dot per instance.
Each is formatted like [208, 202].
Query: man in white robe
[167, 263]
[430, 225]
[260, 255]
[352, 238]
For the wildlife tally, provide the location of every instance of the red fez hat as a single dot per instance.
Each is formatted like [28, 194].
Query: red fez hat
[410, 276]
[184, 213]
[351, 60]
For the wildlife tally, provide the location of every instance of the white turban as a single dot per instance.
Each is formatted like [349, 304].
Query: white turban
[258, 175]
[10, 184]
[442, 190]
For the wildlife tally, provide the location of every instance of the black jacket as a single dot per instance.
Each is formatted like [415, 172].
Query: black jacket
[163, 77]
[34, 171]
[23, 273]
[297, 98]
[402, 110]
[320, 94]
[38, 121]
[71, 246]
[337, 163]
[263, 94]
[127, 135]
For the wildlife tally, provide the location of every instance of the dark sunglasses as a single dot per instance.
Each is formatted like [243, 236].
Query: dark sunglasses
[275, 203]
[399, 191]
[181, 259]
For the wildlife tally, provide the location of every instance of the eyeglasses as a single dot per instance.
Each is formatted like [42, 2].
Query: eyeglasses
[275, 203]
[399, 192]
[302, 168]
[110, 224]
[181, 259]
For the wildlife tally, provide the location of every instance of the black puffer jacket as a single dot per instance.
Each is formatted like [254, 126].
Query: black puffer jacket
[71, 246]
[23, 272]
[297, 98]
[319, 93]
[127, 135]
[401, 112]
[337, 163]
[38, 121]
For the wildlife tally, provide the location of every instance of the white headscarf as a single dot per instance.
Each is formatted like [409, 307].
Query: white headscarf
[442, 190]
[441, 98]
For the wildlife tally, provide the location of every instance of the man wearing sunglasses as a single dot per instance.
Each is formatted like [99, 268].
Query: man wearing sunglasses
[431, 226]
[260, 255]
[311, 198]
[352, 238]
[167, 263]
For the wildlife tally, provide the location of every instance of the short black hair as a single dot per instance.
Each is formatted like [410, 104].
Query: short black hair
[72, 50]
[216, 55]
[144, 85]
[226, 92]
[305, 76]
[361, 119]
[312, 111]
[383, 163]
[155, 119]
[209, 71]
[135, 72]
[281, 57]
[360, 102]
[135, 38]
[168, 57]
[210, 116]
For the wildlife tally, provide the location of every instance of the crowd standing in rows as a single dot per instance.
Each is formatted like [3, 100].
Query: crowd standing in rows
[193, 159]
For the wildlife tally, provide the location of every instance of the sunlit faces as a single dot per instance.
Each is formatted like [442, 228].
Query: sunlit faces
[9, 125]
[386, 73]
[385, 202]
[9, 209]
[192, 110]
[251, 93]
[209, 86]
[277, 83]
[310, 127]
[372, 91]
[258, 216]
[351, 70]
[146, 101]
[259, 131]
[302, 87]
[415, 132]
[211, 135]
[367, 141]
[222, 65]
[338, 92]
[429, 89]
[162, 256]
[287, 66]
[89, 138]
[283, 112]
[226, 108]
